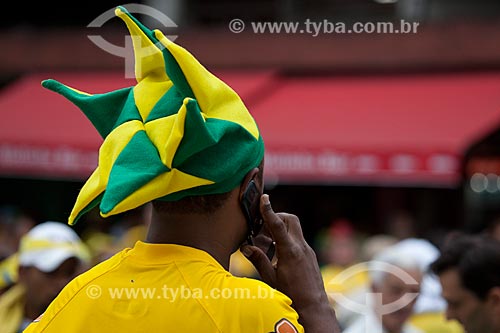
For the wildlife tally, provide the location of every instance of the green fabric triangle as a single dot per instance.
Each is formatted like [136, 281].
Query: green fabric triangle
[137, 164]
[169, 104]
[89, 207]
[129, 112]
[204, 140]
[103, 110]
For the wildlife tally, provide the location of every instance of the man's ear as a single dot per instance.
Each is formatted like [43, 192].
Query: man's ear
[248, 177]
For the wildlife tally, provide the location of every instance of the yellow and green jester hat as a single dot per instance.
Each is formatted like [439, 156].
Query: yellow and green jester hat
[180, 131]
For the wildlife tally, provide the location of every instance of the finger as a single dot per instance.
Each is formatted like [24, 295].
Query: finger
[262, 241]
[264, 231]
[293, 225]
[263, 265]
[274, 223]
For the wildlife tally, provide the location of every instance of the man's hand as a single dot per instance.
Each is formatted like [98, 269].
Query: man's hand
[295, 272]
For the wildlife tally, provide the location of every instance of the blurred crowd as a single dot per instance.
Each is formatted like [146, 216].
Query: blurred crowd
[386, 280]
[382, 280]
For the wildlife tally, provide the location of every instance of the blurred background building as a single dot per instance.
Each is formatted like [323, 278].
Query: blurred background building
[397, 133]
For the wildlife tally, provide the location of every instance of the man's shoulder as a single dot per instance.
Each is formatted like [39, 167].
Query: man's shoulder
[252, 296]
[249, 302]
[97, 270]
[257, 289]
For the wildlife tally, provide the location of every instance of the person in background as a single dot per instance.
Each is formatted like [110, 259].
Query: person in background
[8, 272]
[374, 244]
[339, 249]
[339, 246]
[49, 256]
[395, 281]
[493, 228]
[14, 223]
[429, 311]
[401, 224]
[469, 272]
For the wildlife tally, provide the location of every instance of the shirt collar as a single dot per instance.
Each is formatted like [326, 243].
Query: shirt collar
[165, 253]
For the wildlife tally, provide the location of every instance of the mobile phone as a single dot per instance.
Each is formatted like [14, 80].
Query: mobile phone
[250, 203]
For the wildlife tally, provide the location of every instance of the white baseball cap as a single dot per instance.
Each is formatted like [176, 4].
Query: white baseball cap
[47, 245]
[430, 299]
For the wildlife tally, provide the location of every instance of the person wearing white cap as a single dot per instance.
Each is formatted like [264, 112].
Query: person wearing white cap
[50, 255]
[429, 311]
[394, 285]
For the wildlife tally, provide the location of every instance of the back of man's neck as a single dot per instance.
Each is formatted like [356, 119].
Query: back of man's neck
[195, 233]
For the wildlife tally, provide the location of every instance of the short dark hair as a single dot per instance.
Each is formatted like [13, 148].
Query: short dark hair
[477, 260]
[199, 204]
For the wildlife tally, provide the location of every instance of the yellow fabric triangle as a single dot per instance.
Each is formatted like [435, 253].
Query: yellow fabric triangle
[150, 71]
[216, 99]
[164, 184]
[166, 133]
[109, 151]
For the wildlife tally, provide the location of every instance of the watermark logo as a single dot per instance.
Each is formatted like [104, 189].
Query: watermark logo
[316, 28]
[93, 291]
[127, 51]
[236, 25]
[372, 299]
[172, 294]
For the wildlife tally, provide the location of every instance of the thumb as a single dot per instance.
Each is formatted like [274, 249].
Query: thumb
[276, 226]
[261, 262]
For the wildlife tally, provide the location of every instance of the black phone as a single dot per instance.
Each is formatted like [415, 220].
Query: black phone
[250, 203]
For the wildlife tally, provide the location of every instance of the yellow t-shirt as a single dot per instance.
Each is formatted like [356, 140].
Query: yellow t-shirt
[435, 322]
[12, 309]
[348, 282]
[8, 270]
[163, 288]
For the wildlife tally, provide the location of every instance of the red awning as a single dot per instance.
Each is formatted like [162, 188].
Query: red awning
[410, 130]
[43, 135]
[407, 130]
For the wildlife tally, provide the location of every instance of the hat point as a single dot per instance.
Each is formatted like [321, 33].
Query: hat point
[120, 10]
